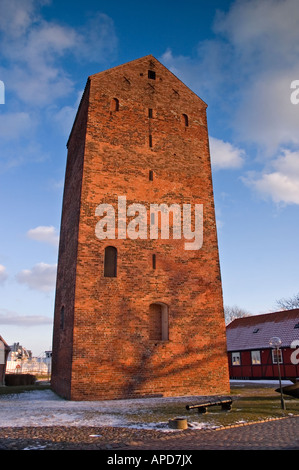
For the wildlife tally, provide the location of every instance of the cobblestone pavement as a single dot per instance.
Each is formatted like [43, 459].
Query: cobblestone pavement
[276, 434]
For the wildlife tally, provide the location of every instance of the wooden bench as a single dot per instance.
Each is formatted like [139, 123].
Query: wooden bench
[224, 402]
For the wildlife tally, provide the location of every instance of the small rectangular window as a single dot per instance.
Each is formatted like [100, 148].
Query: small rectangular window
[152, 74]
[150, 141]
[274, 356]
[158, 322]
[236, 359]
[255, 357]
[151, 175]
[150, 112]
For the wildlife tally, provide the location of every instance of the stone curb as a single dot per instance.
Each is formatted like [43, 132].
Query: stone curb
[221, 428]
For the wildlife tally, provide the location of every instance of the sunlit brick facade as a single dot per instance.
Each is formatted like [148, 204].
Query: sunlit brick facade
[151, 322]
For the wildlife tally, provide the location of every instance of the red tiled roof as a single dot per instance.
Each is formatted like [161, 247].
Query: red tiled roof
[255, 331]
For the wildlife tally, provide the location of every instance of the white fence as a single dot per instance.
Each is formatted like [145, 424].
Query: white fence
[34, 366]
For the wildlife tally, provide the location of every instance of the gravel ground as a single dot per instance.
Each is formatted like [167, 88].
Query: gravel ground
[278, 434]
[74, 438]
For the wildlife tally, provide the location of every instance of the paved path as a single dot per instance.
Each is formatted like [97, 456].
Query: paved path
[278, 434]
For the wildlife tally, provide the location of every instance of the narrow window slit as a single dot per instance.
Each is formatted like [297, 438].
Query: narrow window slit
[62, 318]
[185, 120]
[154, 261]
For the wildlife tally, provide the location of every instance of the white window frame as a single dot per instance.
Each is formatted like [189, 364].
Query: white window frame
[274, 356]
[256, 357]
[236, 355]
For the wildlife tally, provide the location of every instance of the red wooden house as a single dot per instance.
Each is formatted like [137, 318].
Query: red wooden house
[249, 352]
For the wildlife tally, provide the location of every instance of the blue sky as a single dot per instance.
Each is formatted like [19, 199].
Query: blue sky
[240, 57]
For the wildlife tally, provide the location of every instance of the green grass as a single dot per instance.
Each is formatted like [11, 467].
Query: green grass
[251, 403]
[12, 389]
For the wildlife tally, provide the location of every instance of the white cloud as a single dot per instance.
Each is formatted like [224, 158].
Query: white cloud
[17, 15]
[264, 33]
[224, 155]
[39, 88]
[41, 277]
[245, 74]
[281, 182]
[3, 274]
[96, 40]
[9, 317]
[266, 115]
[22, 151]
[33, 48]
[46, 234]
[248, 67]
[279, 187]
[64, 118]
[36, 55]
[264, 38]
[15, 125]
[202, 73]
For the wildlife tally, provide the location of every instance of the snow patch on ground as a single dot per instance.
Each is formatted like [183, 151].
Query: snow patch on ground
[45, 408]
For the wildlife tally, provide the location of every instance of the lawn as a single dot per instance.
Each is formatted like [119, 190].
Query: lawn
[251, 402]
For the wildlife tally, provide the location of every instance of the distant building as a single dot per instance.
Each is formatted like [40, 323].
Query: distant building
[249, 352]
[4, 350]
[17, 351]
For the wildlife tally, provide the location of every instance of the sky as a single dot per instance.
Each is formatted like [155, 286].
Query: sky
[240, 57]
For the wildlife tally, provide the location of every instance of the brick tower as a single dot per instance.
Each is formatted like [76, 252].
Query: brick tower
[138, 315]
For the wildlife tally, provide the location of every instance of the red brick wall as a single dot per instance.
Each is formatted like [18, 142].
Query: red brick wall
[107, 344]
[66, 272]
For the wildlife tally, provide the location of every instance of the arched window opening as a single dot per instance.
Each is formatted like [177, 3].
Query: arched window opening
[185, 120]
[114, 105]
[110, 261]
[158, 322]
